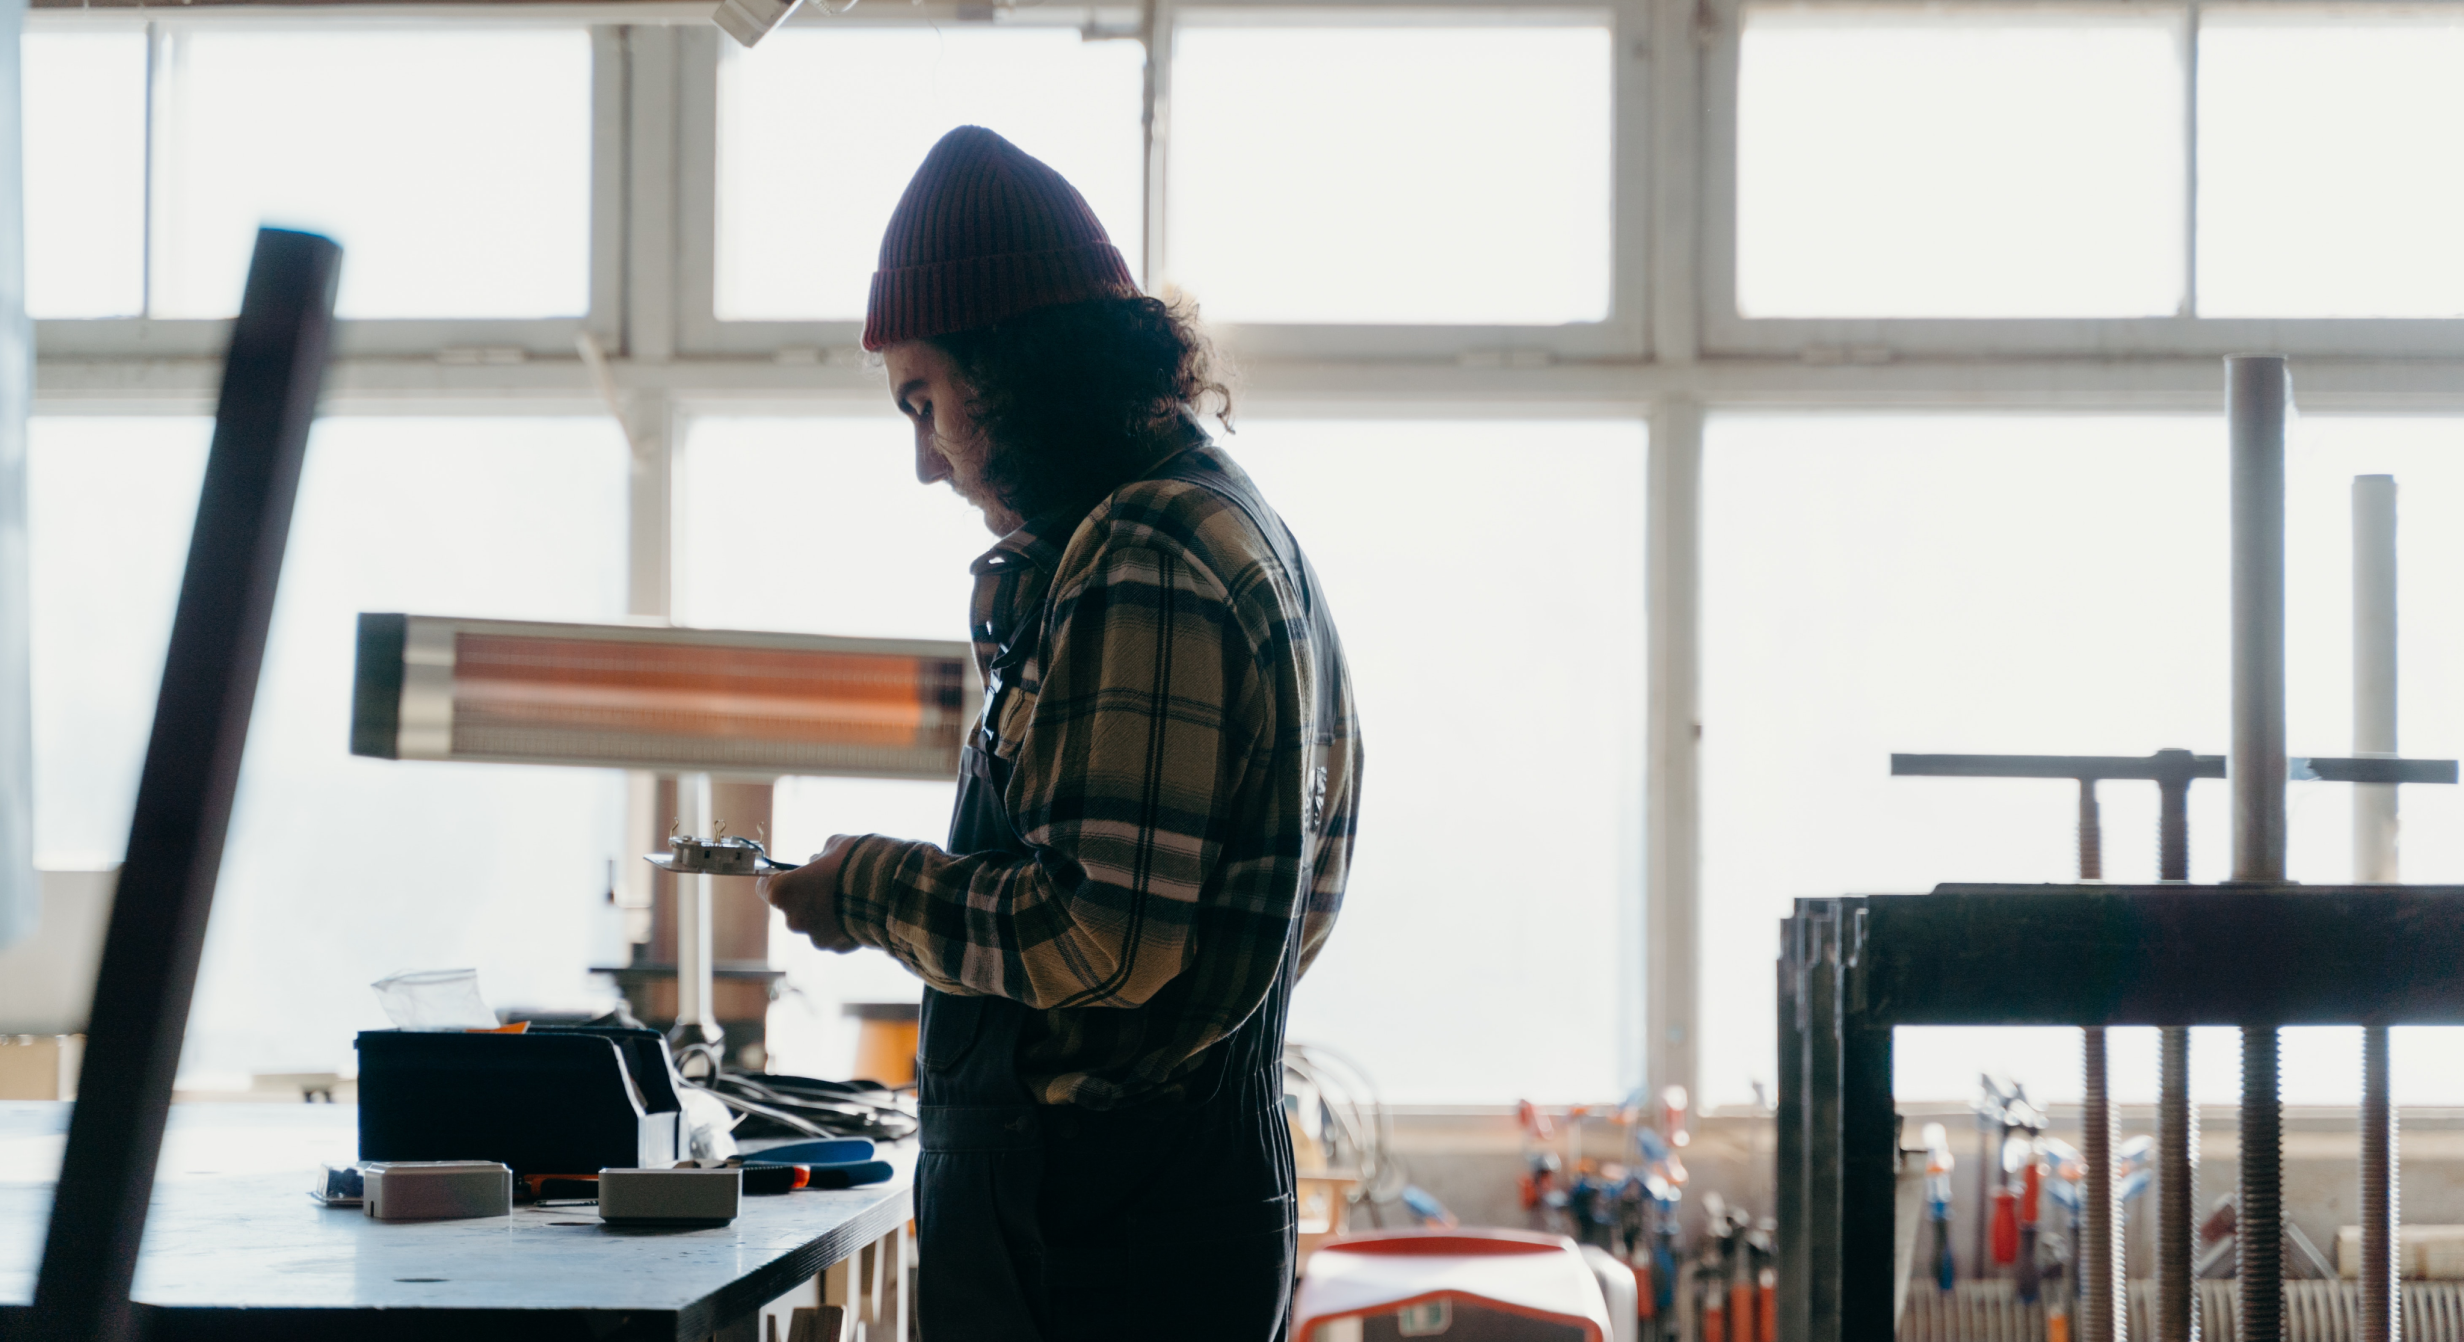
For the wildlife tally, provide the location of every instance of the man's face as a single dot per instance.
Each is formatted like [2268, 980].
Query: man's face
[948, 446]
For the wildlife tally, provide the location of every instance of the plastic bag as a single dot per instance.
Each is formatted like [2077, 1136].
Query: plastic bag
[434, 999]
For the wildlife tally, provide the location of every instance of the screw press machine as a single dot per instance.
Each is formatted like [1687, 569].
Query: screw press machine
[2256, 952]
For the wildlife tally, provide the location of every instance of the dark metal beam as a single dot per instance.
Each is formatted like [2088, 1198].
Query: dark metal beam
[2164, 766]
[2321, 769]
[2165, 955]
[271, 379]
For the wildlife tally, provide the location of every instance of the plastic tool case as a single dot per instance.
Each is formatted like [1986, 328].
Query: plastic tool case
[557, 1100]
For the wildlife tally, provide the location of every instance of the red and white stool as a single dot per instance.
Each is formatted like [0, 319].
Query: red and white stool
[1459, 1284]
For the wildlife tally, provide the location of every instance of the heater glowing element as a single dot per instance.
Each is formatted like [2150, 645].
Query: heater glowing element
[653, 697]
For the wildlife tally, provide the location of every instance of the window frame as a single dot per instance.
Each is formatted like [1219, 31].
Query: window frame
[1726, 331]
[1678, 348]
[473, 339]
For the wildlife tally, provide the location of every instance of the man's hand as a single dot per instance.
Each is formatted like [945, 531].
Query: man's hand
[809, 896]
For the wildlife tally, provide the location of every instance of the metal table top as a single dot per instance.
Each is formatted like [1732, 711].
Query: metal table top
[233, 1229]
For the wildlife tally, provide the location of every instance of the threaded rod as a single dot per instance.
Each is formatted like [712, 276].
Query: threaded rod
[2177, 1189]
[2259, 1225]
[2100, 1318]
[2382, 1299]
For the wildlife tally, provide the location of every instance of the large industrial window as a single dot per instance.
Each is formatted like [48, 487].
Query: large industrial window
[1491, 614]
[2327, 181]
[454, 167]
[339, 869]
[844, 541]
[1959, 163]
[1487, 577]
[820, 128]
[85, 96]
[1396, 174]
[109, 504]
[2038, 585]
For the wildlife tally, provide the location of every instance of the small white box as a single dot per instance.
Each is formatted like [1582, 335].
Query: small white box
[707, 1196]
[437, 1190]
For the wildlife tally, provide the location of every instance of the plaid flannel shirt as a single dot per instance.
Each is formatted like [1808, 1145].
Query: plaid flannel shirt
[1159, 728]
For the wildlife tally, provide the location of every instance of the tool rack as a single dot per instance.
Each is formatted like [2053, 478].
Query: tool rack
[2258, 956]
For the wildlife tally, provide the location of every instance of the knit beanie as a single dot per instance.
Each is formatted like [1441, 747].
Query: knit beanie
[986, 232]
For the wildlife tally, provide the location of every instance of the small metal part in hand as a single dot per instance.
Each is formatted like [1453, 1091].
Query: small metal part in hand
[690, 856]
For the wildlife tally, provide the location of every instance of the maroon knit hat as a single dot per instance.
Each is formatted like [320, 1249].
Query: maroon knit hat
[985, 232]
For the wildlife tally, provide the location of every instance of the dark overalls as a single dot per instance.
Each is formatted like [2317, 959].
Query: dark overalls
[1054, 1223]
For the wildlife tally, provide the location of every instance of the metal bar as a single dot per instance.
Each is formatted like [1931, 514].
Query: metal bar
[1823, 1149]
[2177, 1123]
[271, 379]
[1868, 1145]
[2159, 767]
[2165, 955]
[2091, 834]
[2100, 1276]
[1788, 1147]
[2374, 861]
[695, 967]
[2374, 776]
[2258, 394]
[2177, 1189]
[2258, 1239]
[2381, 1317]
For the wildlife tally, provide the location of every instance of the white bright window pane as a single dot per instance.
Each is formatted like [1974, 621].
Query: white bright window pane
[821, 128]
[109, 503]
[1486, 576]
[2014, 585]
[872, 554]
[1397, 174]
[1962, 585]
[1941, 163]
[2328, 185]
[453, 167]
[343, 869]
[85, 173]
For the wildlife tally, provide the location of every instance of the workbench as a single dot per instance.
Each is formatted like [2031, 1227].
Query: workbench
[236, 1248]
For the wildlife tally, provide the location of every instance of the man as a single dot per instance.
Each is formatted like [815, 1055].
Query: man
[1154, 817]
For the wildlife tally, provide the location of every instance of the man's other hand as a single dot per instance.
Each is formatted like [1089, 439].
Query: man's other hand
[809, 896]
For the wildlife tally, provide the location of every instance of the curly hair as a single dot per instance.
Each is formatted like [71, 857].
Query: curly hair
[1077, 400]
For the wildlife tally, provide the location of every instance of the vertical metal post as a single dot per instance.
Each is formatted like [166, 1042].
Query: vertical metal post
[2177, 1189]
[2258, 397]
[694, 977]
[2177, 1123]
[2258, 1240]
[2101, 1317]
[2382, 1293]
[1672, 806]
[1869, 1149]
[2374, 862]
[1788, 1151]
[2374, 672]
[271, 380]
[1824, 1204]
[2091, 834]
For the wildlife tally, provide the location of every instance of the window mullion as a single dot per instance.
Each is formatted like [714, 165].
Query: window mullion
[2190, 158]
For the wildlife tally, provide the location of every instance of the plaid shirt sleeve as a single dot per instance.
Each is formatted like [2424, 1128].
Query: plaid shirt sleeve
[1149, 712]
